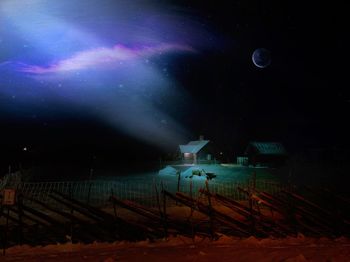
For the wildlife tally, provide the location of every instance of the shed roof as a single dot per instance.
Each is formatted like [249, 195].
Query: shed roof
[267, 148]
[193, 146]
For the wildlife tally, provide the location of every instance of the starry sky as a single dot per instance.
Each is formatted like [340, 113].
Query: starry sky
[143, 76]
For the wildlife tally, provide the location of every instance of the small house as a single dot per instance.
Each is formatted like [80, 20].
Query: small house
[199, 151]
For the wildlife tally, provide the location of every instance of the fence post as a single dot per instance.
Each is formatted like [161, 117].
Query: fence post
[164, 212]
[210, 210]
[114, 206]
[20, 212]
[191, 188]
[5, 232]
[89, 191]
[178, 180]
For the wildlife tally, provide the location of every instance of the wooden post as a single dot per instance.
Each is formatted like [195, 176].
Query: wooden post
[212, 233]
[254, 180]
[191, 186]
[178, 182]
[157, 198]
[252, 220]
[5, 232]
[8, 199]
[89, 191]
[20, 214]
[251, 189]
[71, 211]
[164, 213]
[160, 210]
[114, 206]
[191, 216]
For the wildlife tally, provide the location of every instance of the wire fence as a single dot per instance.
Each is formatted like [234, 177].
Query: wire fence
[10, 179]
[97, 193]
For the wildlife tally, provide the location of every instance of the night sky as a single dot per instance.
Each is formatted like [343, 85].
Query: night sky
[112, 78]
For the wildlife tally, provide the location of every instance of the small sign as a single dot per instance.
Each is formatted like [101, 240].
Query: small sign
[9, 197]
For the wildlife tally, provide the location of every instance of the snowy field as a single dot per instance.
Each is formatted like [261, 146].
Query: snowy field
[224, 173]
[142, 186]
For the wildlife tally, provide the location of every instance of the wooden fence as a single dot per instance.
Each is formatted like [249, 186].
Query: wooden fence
[97, 193]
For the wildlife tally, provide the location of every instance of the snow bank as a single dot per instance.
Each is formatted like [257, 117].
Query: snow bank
[168, 170]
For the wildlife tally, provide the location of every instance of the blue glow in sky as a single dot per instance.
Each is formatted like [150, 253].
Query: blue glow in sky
[109, 58]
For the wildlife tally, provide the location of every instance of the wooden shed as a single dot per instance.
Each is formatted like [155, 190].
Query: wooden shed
[271, 154]
[198, 151]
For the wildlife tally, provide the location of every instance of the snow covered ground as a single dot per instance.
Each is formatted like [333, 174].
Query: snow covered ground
[223, 173]
[291, 249]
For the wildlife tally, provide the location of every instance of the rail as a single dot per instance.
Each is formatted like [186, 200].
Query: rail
[97, 193]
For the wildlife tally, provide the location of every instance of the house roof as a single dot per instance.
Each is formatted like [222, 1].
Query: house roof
[267, 148]
[193, 146]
